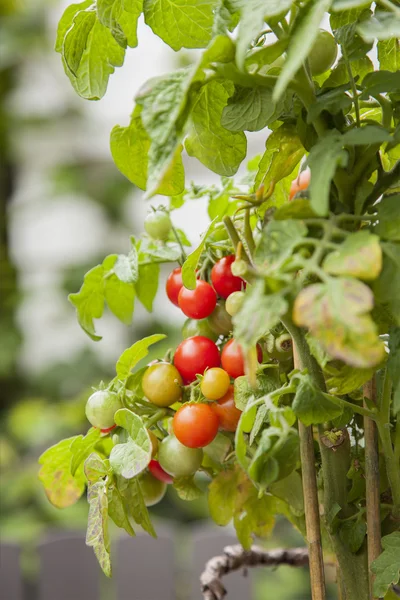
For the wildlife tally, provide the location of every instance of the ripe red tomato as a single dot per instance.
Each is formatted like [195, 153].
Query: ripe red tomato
[158, 472]
[195, 425]
[224, 282]
[226, 411]
[198, 303]
[232, 358]
[174, 284]
[299, 184]
[194, 355]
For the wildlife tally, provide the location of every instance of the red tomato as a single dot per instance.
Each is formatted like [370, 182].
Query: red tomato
[232, 358]
[195, 425]
[222, 279]
[198, 303]
[226, 411]
[174, 284]
[194, 355]
[299, 184]
[158, 472]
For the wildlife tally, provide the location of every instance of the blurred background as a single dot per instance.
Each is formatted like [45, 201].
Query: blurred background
[64, 207]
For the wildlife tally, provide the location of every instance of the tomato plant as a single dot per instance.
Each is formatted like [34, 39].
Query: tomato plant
[304, 253]
[194, 355]
[198, 303]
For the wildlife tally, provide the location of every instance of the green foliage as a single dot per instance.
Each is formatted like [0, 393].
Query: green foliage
[387, 566]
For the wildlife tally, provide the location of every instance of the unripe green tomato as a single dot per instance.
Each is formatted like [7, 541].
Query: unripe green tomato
[158, 225]
[283, 347]
[220, 320]
[234, 303]
[192, 327]
[153, 489]
[323, 53]
[178, 460]
[101, 408]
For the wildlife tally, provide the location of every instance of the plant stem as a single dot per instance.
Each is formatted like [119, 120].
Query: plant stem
[372, 483]
[311, 503]
[365, 412]
[183, 253]
[235, 238]
[248, 234]
[353, 86]
[390, 6]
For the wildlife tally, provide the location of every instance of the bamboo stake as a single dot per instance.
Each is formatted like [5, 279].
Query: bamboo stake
[311, 504]
[372, 484]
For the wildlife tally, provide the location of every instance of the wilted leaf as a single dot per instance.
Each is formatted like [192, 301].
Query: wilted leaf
[97, 528]
[359, 256]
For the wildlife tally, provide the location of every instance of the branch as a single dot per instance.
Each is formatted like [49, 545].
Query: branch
[383, 184]
[235, 557]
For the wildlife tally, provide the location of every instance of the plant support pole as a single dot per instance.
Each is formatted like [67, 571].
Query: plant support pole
[372, 483]
[311, 504]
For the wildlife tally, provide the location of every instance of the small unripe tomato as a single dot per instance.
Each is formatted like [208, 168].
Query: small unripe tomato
[198, 303]
[226, 411]
[195, 425]
[215, 383]
[179, 460]
[173, 285]
[162, 384]
[158, 472]
[158, 225]
[300, 184]
[154, 443]
[323, 53]
[284, 346]
[234, 303]
[220, 320]
[101, 408]
[232, 359]
[192, 327]
[153, 489]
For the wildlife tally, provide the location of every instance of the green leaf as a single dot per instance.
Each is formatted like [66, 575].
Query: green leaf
[340, 76]
[347, 5]
[255, 517]
[94, 60]
[218, 450]
[126, 267]
[95, 468]
[352, 534]
[382, 26]
[128, 20]
[131, 458]
[166, 172]
[393, 365]
[344, 26]
[311, 406]
[334, 101]
[387, 566]
[250, 109]
[89, 301]
[82, 446]
[130, 357]
[304, 33]
[117, 509]
[220, 150]
[147, 284]
[277, 244]
[181, 23]
[369, 134]
[120, 296]
[258, 313]
[62, 488]
[223, 494]
[387, 286]
[347, 379]
[267, 382]
[389, 55]
[380, 82]
[97, 528]
[283, 151]
[76, 38]
[290, 489]
[253, 14]
[299, 208]
[109, 13]
[129, 148]
[359, 256]
[265, 56]
[324, 157]
[350, 335]
[187, 489]
[66, 21]
[190, 265]
[388, 226]
[137, 507]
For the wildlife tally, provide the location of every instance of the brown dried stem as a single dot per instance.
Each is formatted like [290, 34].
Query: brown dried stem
[235, 558]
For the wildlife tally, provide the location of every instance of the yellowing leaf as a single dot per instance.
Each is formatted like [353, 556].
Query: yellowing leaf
[336, 315]
[359, 256]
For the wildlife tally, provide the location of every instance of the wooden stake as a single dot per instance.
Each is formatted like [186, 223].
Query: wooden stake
[372, 484]
[311, 504]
